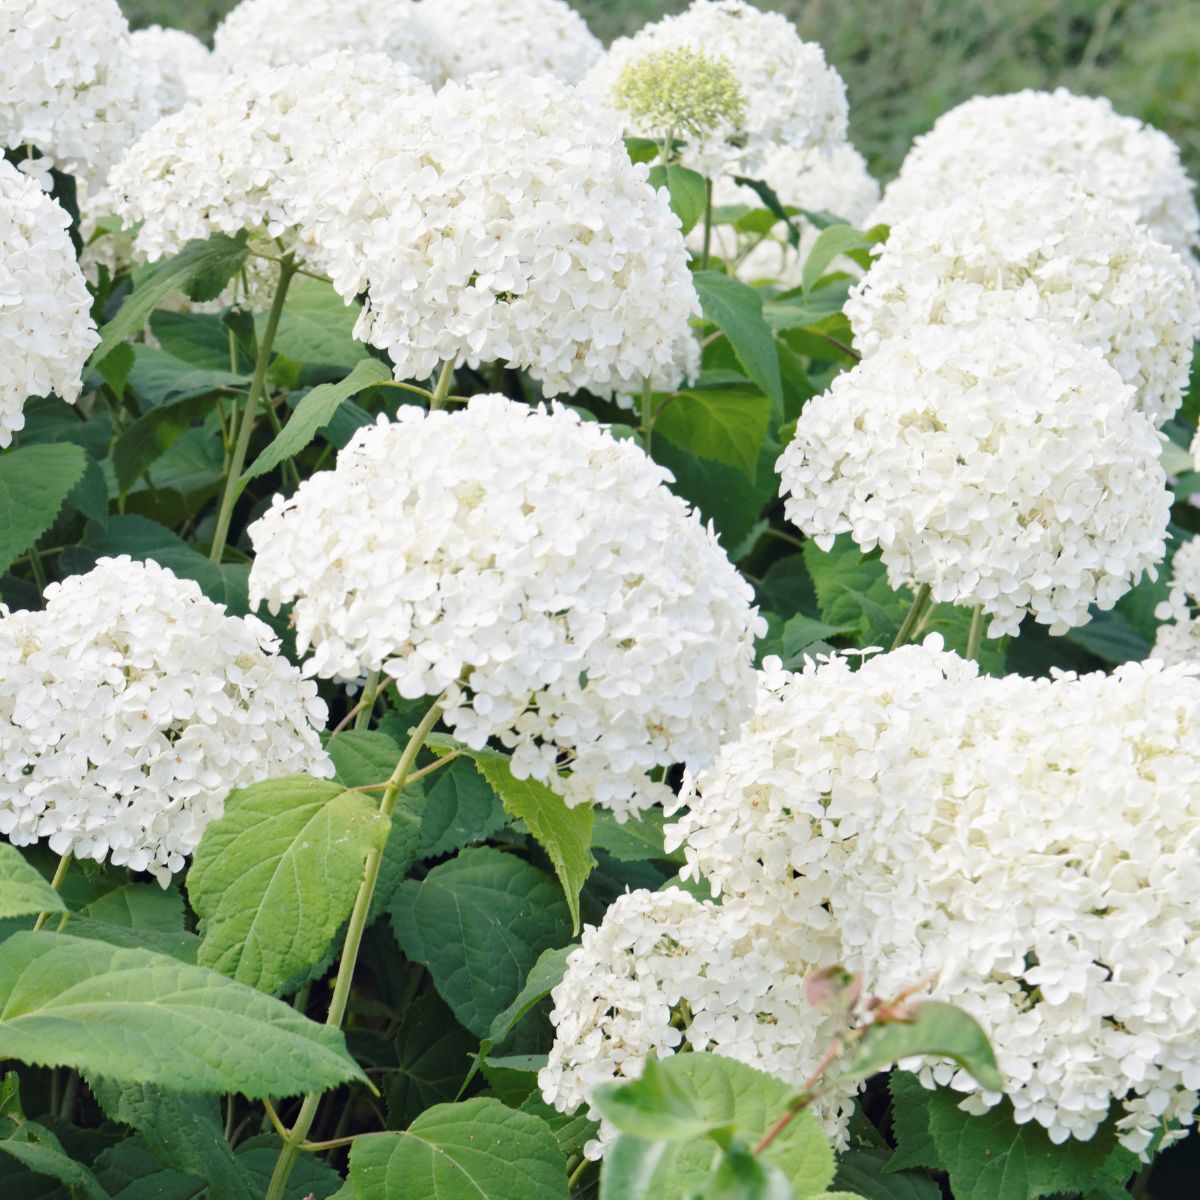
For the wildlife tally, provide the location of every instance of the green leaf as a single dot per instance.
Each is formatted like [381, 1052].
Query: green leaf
[833, 241]
[39, 1150]
[741, 1175]
[139, 1017]
[843, 576]
[200, 263]
[23, 891]
[637, 839]
[460, 808]
[1176, 460]
[477, 1150]
[317, 326]
[159, 378]
[434, 1056]
[727, 425]
[201, 339]
[1111, 637]
[147, 439]
[801, 631]
[937, 1031]
[89, 497]
[803, 310]
[479, 923]
[139, 906]
[362, 757]
[314, 413]
[35, 482]
[736, 309]
[310, 1177]
[910, 1124]
[275, 877]
[868, 1173]
[659, 1106]
[181, 945]
[572, 1131]
[688, 192]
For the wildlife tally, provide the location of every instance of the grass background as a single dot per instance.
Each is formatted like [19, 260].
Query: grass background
[906, 61]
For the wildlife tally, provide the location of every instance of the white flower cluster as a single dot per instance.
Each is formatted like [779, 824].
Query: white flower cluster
[178, 66]
[130, 706]
[257, 34]
[1043, 250]
[1178, 641]
[535, 37]
[234, 158]
[70, 86]
[46, 328]
[664, 971]
[1133, 165]
[537, 571]
[791, 96]
[1026, 844]
[998, 463]
[503, 221]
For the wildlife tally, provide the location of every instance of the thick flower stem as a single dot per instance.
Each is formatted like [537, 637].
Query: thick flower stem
[914, 617]
[708, 223]
[258, 390]
[293, 1141]
[370, 693]
[60, 873]
[442, 391]
[975, 637]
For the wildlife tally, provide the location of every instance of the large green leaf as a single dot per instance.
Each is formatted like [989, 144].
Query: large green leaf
[476, 1150]
[461, 807]
[910, 1124]
[832, 242]
[147, 439]
[275, 877]
[310, 1177]
[736, 309]
[868, 1173]
[23, 891]
[687, 190]
[40, 1150]
[201, 339]
[433, 1057]
[727, 424]
[35, 482]
[158, 378]
[139, 1017]
[636, 839]
[317, 326]
[479, 922]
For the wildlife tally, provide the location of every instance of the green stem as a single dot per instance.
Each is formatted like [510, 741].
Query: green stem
[708, 223]
[648, 415]
[354, 935]
[258, 389]
[367, 701]
[914, 615]
[442, 391]
[60, 873]
[975, 637]
[577, 1174]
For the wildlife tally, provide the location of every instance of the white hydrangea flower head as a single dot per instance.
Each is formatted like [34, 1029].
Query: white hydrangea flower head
[536, 37]
[1025, 844]
[257, 34]
[1133, 165]
[178, 65]
[791, 96]
[537, 571]
[129, 708]
[660, 961]
[232, 160]
[1178, 640]
[502, 221]
[46, 327]
[70, 86]
[1042, 249]
[999, 463]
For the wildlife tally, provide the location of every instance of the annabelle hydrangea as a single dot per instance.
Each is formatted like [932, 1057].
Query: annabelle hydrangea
[130, 706]
[786, 93]
[998, 463]
[502, 220]
[534, 570]
[1027, 845]
[1041, 249]
[1133, 165]
[1178, 639]
[46, 328]
[178, 66]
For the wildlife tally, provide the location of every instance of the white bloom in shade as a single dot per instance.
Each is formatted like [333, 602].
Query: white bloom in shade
[1133, 165]
[1027, 845]
[1040, 249]
[999, 463]
[536, 570]
[231, 160]
[1178, 640]
[178, 66]
[70, 86]
[273, 33]
[789, 95]
[46, 328]
[662, 960]
[536, 37]
[502, 221]
[131, 705]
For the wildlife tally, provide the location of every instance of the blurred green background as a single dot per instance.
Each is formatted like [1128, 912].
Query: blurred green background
[906, 61]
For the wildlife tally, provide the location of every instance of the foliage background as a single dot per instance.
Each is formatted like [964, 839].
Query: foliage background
[906, 61]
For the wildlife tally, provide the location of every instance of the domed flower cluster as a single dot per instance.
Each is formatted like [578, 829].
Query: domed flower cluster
[789, 95]
[179, 66]
[130, 706]
[1043, 250]
[535, 570]
[1178, 641]
[70, 86]
[663, 972]
[1026, 844]
[998, 463]
[503, 221]
[46, 328]
[257, 34]
[1134, 166]
[535, 37]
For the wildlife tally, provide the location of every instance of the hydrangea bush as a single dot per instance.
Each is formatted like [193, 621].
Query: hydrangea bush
[555, 641]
